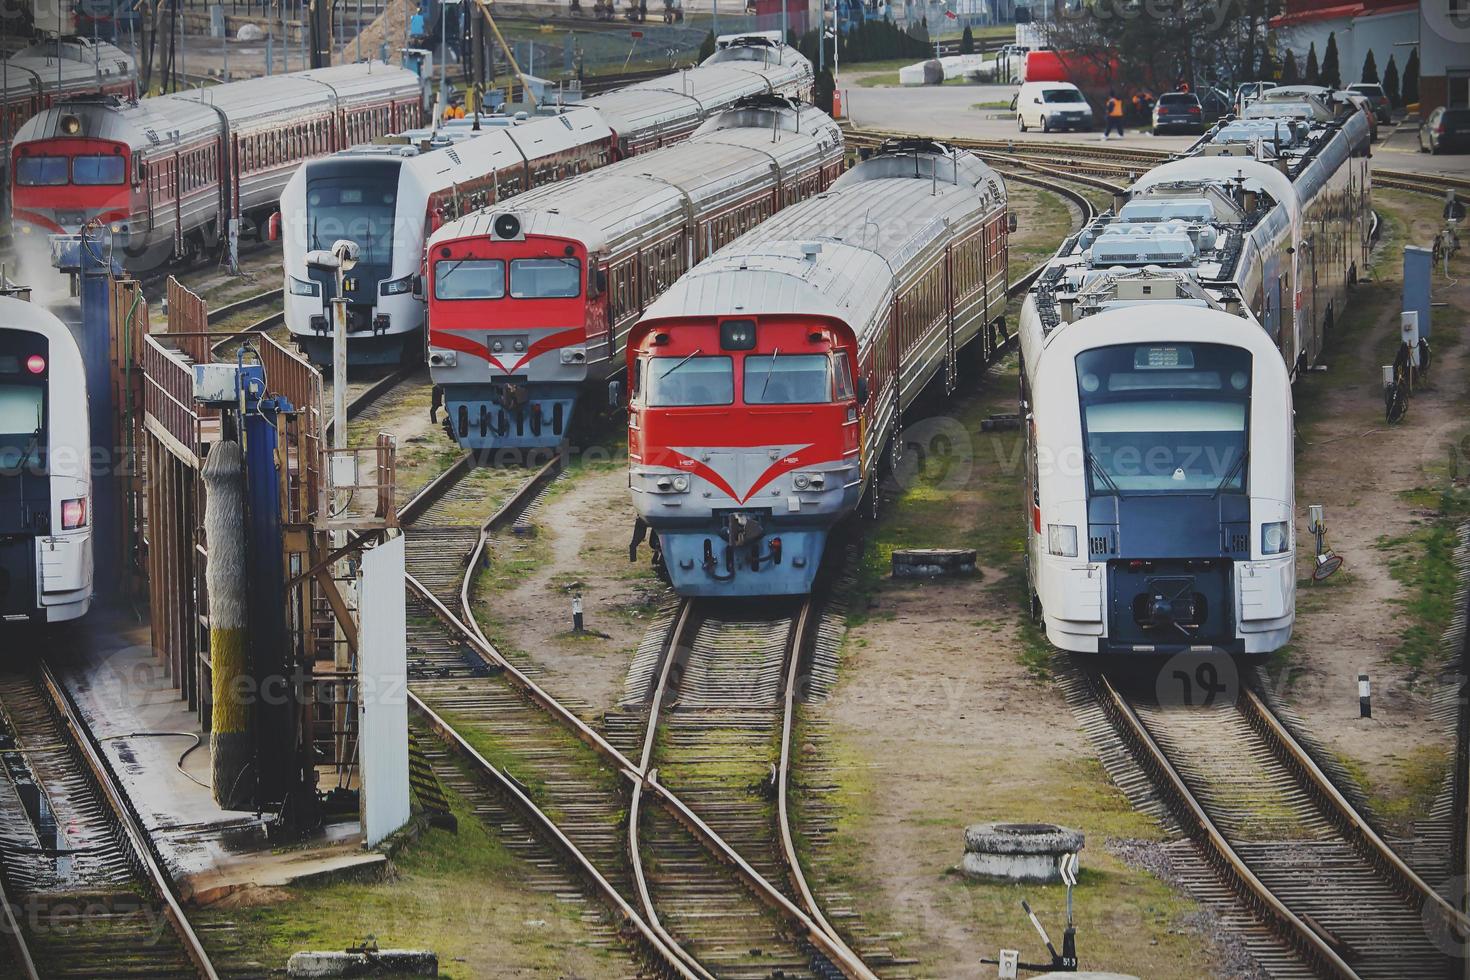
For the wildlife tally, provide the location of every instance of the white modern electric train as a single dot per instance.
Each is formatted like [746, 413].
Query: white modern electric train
[1159, 348]
[45, 483]
[391, 196]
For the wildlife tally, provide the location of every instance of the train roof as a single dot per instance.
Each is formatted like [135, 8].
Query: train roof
[839, 254]
[37, 68]
[601, 207]
[251, 104]
[1125, 321]
[471, 155]
[19, 314]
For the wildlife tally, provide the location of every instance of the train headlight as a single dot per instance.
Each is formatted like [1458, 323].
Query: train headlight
[73, 513]
[443, 358]
[36, 364]
[302, 287]
[1276, 538]
[574, 355]
[397, 287]
[1061, 539]
[801, 481]
[681, 484]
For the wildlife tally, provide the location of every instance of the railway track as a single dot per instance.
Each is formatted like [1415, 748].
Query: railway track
[572, 783]
[84, 893]
[717, 729]
[1327, 894]
[1129, 162]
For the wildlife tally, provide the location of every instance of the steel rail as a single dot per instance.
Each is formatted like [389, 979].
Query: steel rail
[783, 774]
[655, 941]
[134, 835]
[1352, 824]
[822, 937]
[1310, 944]
[19, 949]
[635, 800]
[599, 744]
[256, 299]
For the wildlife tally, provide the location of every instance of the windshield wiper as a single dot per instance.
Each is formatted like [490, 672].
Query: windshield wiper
[25, 454]
[1097, 469]
[681, 363]
[1239, 465]
[770, 370]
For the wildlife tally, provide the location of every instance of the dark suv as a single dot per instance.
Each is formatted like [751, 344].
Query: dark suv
[1179, 110]
[1373, 92]
[1445, 129]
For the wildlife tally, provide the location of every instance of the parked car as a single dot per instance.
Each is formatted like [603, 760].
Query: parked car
[1445, 129]
[1350, 102]
[1373, 92]
[1178, 111]
[1050, 106]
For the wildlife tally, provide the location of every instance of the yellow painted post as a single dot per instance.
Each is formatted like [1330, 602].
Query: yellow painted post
[224, 529]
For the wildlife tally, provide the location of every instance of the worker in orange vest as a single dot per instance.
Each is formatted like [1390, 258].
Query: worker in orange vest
[1114, 112]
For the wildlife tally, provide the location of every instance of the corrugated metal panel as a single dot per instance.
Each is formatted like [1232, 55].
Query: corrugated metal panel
[383, 686]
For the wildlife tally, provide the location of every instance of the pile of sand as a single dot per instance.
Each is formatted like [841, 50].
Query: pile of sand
[387, 27]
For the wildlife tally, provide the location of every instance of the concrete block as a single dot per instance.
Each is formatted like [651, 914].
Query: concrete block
[1018, 851]
[308, 965]
[931, 562]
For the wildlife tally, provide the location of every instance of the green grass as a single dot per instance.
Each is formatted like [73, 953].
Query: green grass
[464, 895]
[1423, 562]
[1419, 778]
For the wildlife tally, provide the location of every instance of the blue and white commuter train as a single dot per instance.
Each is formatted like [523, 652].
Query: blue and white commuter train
[1159, 348]
[45, 480]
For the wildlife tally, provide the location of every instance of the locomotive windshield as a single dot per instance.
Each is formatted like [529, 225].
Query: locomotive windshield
[99, 169]
[41, 171]
[469, 279]
[355, 209]
[554, 278]
[20, 408]
[787, 379]
[1165, 418]
[692, 380]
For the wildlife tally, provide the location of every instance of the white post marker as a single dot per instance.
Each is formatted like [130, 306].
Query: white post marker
[1365, 696]
[577, 612]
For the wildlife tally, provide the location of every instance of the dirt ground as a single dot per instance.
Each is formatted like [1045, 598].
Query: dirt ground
[944, 716]
[580, 546]
[1382, 487]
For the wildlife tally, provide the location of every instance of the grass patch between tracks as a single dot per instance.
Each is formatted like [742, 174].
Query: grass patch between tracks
[464, 895]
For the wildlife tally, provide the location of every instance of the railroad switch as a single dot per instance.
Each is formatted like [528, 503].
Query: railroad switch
[1066, 960]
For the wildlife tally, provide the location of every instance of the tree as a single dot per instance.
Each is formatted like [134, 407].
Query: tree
[1289, 74]
[967, 41]
[1195, 39]
[1331, 73]
[707, 46]
[1411, 78]
[1370, 68]
[1314, 73]
[1268, 68]
[823, 88]
[1391, 83]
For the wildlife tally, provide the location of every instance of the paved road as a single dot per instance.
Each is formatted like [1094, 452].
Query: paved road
[949, 110]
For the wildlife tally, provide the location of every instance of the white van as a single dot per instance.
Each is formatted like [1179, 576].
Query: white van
[1050, 106]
